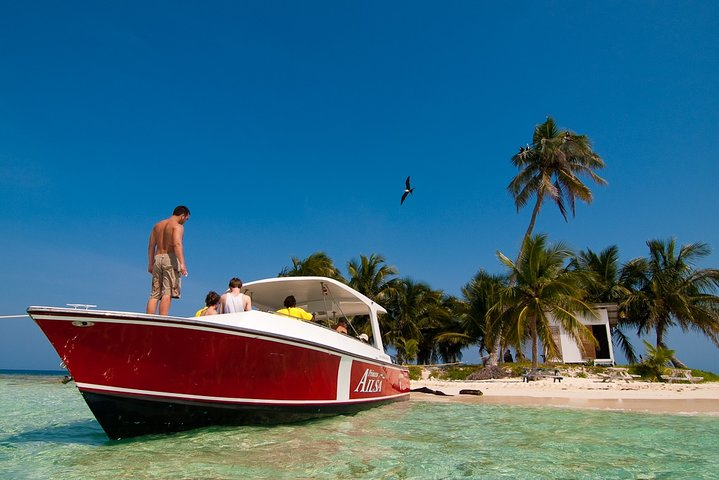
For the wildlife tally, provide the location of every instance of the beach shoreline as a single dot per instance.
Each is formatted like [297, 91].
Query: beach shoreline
[580, 393]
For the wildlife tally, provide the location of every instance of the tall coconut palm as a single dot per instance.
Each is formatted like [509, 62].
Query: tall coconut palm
[604, 284]
[543, 286]
[667, 291]
[551, 167]
[317, 264]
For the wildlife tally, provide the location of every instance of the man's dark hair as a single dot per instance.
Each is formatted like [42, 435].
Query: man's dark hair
[290, 302]
[235, 283]
[181, 210]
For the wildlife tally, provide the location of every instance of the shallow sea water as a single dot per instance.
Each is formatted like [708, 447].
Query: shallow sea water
[47, 431]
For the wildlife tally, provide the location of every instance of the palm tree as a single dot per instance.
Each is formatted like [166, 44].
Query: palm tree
[442, 336]
[551, 167]
[666, 291]
[603, 272]
[604, 284]
[411, 306]
[371, 276]
[543, 286]
[480, 295]
[317, 264]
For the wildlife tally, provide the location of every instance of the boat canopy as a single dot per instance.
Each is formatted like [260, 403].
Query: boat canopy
[326, 297]
[321, 295]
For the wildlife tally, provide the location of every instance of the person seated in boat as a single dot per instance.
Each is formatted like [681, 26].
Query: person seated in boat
[234, 300]
[292, 310]
[212, 304]
[341, 326]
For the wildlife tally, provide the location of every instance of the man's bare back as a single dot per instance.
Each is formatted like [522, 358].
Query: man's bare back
[162, 232]
[166, 237]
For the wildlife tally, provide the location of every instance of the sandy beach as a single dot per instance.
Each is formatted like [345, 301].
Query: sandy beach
[573, 392]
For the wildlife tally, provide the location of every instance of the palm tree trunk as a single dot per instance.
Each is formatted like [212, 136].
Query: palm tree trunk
[493, 359]
[495, 354]
[535, 344]
[530, 228]
[660, 343]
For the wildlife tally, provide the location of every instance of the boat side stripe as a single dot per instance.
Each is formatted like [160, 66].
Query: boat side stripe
[343, 379]
[185, 396]
[226, 331]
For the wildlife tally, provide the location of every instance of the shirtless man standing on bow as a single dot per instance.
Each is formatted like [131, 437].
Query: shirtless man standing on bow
[166, 260]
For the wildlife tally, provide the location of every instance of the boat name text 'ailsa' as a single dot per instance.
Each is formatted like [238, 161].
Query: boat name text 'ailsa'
[371, 382]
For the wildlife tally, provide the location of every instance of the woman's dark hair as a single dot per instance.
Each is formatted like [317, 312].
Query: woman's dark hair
[290, 301]
[212, 298]
[235, 283]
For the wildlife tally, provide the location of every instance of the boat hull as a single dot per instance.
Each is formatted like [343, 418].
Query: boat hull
[132, 416]
[143, 374]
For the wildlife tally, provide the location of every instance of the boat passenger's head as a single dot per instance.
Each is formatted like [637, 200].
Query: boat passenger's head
[212, 298]
[235, 283]
[290, 302]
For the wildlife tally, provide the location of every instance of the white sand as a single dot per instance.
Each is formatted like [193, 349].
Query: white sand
[574, 392]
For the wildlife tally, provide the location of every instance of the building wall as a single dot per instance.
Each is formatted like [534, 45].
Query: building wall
[571, 351]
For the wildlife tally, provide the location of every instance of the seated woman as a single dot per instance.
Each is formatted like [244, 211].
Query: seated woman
[292, 310]
[212, 303]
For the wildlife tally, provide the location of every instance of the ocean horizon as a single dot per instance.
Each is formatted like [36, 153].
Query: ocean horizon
[47, 431]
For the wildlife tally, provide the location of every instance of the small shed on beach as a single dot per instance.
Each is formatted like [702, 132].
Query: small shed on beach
[600, 354]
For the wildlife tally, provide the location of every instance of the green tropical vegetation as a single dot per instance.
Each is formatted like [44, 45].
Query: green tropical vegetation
[512, 308]
[543, 286]
[665, 290]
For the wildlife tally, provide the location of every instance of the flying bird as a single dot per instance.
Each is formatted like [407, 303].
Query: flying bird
[407, 191]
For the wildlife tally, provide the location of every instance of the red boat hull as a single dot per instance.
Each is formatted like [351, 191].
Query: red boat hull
[150, 374]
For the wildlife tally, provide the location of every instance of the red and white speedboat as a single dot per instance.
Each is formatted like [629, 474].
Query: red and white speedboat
[143, 374]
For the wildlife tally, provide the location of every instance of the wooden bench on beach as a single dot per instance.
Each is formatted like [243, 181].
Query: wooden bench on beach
[540, 374]
[617, 373]
[681, 375]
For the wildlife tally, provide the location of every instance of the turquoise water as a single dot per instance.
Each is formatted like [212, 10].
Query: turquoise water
[47, 431]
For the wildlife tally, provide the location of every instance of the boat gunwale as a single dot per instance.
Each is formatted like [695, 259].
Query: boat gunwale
[188, 322]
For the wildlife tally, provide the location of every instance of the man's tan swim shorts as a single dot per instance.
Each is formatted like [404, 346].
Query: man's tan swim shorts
[166, 278]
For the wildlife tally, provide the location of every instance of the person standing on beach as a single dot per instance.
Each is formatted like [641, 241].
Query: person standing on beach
[166, 260]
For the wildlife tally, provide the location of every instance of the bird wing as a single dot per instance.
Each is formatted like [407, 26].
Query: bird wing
[406, 182]
[403, 197]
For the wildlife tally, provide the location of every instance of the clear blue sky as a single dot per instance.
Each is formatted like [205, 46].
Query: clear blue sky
[289, 127]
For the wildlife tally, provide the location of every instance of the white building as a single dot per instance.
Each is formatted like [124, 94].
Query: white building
[600, 326]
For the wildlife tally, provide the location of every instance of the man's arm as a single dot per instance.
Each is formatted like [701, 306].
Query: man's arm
[223, 301]
[248, 303]
[177, 248]
[151, 251]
